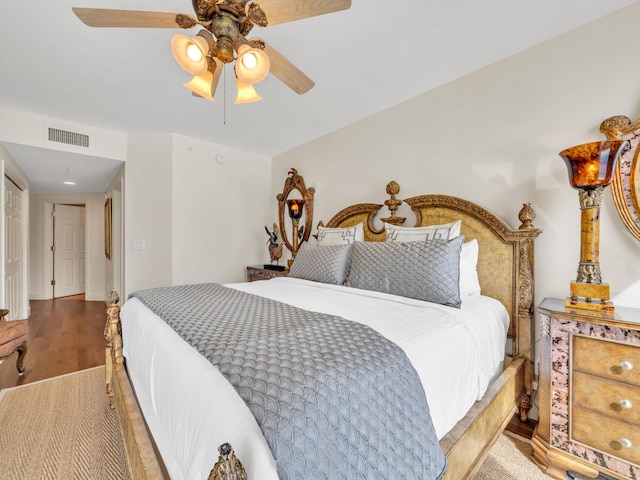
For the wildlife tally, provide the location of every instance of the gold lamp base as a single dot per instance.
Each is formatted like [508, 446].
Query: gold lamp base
[590, 296]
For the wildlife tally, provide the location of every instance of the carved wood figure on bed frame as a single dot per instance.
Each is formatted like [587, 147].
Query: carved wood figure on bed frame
[505, 272]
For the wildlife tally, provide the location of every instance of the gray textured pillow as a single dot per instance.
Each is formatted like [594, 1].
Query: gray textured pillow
[428, 270]
[322, 263]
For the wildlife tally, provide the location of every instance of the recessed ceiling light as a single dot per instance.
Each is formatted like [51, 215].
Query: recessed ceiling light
[69, 183]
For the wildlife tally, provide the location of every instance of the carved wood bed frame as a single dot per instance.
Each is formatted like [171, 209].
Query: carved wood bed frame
[505, 271]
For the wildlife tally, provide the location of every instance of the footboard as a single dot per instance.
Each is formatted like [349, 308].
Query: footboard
[142, 458]
[469, 442]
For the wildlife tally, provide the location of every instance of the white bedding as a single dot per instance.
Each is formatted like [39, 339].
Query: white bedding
[191, 409]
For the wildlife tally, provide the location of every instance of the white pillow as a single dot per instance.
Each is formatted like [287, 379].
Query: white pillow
[445, 231]
[340, 236]
[469, 284]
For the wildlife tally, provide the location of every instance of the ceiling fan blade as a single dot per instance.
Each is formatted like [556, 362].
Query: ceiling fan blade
[287, 72]
[102, 17]
[282, 11]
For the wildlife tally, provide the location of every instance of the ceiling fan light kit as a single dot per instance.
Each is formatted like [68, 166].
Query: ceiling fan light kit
[252, 65]
[246, 93]
[226, 24]
[190, 53]
[205, 85]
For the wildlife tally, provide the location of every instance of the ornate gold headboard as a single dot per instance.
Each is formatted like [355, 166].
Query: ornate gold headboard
[505, 260]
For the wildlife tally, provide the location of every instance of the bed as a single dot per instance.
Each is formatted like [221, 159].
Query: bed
[472, 394]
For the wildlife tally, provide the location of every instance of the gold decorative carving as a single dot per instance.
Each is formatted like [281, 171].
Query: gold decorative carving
[228, 466]
[112, 330]
[591, 198]
[186, 21]
[256, 14]
[113, 348]
[625, 186]
[527, 215]
[295, 182]
[366, 213]
[393, 203]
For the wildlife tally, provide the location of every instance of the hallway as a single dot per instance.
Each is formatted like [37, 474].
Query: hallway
[65, 335]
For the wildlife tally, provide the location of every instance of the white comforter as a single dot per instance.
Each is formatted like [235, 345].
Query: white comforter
[191, 409]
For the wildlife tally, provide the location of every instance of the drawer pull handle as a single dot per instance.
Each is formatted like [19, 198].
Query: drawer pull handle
[626, 365]
[621, 367]
[625, 442]
[625, 403]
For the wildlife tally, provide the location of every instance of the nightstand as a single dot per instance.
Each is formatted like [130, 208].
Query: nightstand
[589, 392]
[258, 272]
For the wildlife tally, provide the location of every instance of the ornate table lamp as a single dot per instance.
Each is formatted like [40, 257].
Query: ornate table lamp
[590, 168]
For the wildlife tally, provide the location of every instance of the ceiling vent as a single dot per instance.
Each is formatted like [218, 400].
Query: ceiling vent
[68, 138]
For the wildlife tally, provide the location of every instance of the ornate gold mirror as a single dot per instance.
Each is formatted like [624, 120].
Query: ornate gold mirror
[626, 180]
[297, 200]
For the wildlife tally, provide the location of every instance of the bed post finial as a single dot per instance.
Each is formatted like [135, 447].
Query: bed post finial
[393, 203]
[527, 215]
[228, 467]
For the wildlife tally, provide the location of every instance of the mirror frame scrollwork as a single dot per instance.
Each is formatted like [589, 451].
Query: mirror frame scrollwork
[625, 186]
[295, 182]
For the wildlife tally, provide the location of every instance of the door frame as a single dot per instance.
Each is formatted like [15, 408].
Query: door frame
[18, 178]
[47, 288]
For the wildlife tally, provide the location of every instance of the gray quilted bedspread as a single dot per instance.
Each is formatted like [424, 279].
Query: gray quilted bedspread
[334, 399]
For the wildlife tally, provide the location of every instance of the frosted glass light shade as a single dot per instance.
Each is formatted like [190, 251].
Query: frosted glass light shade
[246, 93]
[252, 65]
[205, 85]
[185, 50]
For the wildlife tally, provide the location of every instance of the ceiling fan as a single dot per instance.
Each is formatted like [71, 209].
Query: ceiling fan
[223, 39]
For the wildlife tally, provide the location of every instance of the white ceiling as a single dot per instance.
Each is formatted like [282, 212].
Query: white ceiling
[363, 60]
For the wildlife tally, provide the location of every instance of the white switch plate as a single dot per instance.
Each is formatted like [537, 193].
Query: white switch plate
[137, 245]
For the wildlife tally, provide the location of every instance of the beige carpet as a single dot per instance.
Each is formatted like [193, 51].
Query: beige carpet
[60, 428]
[510, 459]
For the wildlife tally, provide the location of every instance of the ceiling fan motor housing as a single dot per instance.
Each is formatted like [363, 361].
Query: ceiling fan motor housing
[225, 29]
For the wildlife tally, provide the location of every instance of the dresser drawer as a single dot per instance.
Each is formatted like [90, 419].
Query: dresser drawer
[607, 359]
[619, 400]
[606, 434]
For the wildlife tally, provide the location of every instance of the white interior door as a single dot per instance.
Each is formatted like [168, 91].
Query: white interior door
[69, 250]
[13, 252]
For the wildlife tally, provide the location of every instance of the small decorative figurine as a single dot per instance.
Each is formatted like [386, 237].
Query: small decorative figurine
[275, 248]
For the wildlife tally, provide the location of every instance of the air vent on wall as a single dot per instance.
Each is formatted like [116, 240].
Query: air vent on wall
[69, 138]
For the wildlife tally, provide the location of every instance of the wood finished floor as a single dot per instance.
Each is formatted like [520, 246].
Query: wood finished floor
[64, 335]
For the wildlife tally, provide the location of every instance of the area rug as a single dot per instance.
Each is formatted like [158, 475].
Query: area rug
[510, 459]
[61, 428]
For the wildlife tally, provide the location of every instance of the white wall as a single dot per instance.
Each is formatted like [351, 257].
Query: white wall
[493, 137]
[200, 220]
[147, 201]
[31, 129]
[40, 243]
[220, 207]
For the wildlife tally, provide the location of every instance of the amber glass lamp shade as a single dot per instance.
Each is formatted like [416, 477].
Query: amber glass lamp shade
[591, 165]
[295, 208]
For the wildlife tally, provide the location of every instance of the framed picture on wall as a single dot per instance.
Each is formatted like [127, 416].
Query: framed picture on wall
[107, 228]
